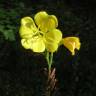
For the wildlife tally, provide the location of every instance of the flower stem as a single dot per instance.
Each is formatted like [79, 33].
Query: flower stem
[49, 58]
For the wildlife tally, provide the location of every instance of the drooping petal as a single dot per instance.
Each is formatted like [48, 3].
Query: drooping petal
[53, 35]
[38, 44]
[26, 43]
[71, 43]
[45, 21]
[27, 28]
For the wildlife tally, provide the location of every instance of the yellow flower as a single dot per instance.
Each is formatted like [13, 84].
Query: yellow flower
[71, 43]
[42, 35]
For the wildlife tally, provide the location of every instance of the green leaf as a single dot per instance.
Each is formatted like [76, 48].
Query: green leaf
[9, 35]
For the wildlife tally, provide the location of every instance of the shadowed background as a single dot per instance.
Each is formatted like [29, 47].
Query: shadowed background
[22, 71]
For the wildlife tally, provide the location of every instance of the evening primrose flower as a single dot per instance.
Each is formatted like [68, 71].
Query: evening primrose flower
[71, 43]
[41, 34]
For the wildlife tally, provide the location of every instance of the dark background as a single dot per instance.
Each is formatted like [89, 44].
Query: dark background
[22, 71]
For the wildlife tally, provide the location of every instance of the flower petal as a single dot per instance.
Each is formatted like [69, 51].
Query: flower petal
[35, 44]
[54, 35]
[45, 21]
[51, 47]
[38, 44]
[71, 43]
[26, 43]
[51, 22]
[27, 28]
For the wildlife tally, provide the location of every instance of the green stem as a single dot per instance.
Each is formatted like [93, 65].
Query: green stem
[50, 62]
[49, 58]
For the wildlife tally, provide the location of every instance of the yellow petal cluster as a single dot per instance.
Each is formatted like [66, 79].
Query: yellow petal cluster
[42, 34]
[43, 37]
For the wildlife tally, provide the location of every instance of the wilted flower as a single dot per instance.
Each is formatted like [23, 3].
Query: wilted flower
[71, 43]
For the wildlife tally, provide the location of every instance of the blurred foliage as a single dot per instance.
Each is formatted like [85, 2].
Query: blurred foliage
[10, 19]
[8, 24]
[9, 34]
[6, 28]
